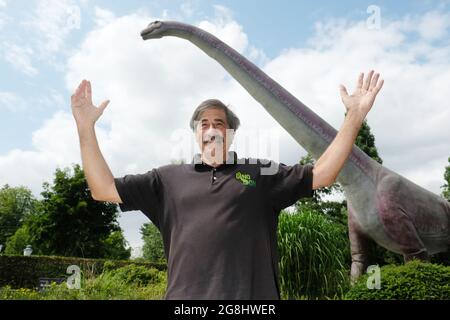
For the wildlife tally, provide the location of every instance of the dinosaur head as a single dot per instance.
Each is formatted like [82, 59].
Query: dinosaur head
[155, 30]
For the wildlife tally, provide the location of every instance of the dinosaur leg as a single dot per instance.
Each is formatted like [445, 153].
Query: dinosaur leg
[359, 244]
[401, 230]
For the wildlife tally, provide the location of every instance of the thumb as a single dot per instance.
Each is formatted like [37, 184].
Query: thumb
[103, 106]
[343, 91]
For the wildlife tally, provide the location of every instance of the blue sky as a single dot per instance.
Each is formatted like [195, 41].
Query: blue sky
[309, 46]
[271, 26]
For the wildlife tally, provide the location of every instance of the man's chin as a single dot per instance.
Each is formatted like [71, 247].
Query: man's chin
[209, 152]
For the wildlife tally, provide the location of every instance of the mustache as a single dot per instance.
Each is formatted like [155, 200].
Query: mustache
[211, 138]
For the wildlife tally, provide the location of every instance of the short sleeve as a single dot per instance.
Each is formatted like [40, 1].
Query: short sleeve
[141, 192]
[290, 184]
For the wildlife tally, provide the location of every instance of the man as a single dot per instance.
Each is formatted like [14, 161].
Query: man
[218, 216]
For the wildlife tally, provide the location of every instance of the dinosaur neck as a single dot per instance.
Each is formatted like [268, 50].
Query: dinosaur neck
[306, 127]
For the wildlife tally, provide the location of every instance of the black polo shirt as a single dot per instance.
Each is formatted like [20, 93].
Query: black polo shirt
[219, 225]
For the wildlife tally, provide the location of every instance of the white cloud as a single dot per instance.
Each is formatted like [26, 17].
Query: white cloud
[3, 17]
[11, 102]
[31, 105]
[52, 22]
[155, 85]
[19, 58]
[55, 145]
[187, 9]
[103, 16]
[415, 76]
[434, 25]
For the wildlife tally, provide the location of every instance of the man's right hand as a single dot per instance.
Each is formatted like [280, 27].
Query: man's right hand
[83, 110]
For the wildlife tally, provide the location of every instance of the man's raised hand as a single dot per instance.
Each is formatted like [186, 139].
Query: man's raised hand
[361, 101]
[83, 110]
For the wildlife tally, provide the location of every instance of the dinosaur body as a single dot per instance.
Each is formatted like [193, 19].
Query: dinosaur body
[383, 206]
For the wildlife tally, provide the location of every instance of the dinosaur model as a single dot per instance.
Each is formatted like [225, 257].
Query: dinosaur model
[382, 205]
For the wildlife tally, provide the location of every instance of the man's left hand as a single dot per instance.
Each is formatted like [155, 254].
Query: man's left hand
[361, 101]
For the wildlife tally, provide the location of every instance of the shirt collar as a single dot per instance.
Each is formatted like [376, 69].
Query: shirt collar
[199, 164]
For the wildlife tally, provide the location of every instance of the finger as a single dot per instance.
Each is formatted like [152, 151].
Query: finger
[103, 105]
[89, 91]
[77, 94]
[80, 86]
[359, 83]
[343, 91]
[366, 84]
[374, 81]
[379, 86]
[85, 89]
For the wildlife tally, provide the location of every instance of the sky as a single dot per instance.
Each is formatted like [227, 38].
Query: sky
[310, 47]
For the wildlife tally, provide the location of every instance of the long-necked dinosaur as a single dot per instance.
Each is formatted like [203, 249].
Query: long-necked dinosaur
[382, 205]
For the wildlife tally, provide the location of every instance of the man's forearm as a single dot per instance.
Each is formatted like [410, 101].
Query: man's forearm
[333, 159]
[96, 170]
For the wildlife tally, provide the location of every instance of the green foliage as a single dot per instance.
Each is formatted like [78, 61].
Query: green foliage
[446, 186]
[115, 246]
[153, 249]
[136, 275]
[24, 272]
[69, 222]
[17, 242]
[413, 281]
[366, 142]
[15, 205]
[8, 293]
[314, 255]
[126, 283]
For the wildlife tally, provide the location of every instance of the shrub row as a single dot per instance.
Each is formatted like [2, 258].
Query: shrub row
[24, 272]
[132, 282]
[413, 281]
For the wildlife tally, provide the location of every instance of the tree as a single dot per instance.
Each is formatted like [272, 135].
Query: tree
[18, 241]
[116, 246]
[15, 205]
[153, 249]
[366, 142]
[69, 222]
[446, 186]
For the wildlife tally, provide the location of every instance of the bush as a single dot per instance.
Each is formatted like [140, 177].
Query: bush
[415, 280]
[136, 275]
[314, 255]
[24, 272]
[126, 283]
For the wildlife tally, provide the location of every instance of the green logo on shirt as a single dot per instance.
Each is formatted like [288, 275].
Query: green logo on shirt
[245, 179]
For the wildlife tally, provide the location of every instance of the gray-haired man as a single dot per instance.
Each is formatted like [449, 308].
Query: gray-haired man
[218, 216]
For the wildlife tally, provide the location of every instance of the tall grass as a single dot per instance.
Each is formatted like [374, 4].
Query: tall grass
[314, 253]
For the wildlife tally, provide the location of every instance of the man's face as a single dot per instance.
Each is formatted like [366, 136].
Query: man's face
[211, 135]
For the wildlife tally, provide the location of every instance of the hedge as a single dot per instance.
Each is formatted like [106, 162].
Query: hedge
[414, 280]
[24, 272]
